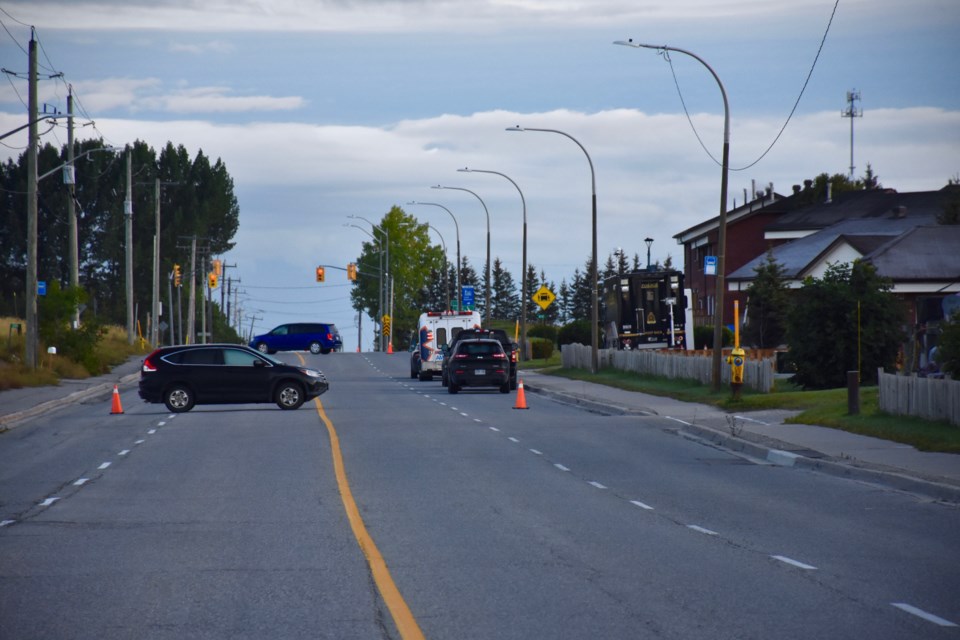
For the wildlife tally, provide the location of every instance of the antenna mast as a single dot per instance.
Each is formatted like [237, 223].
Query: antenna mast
[852, 112]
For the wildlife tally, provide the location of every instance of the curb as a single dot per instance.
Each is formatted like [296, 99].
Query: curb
[774, 452]
[12, 420]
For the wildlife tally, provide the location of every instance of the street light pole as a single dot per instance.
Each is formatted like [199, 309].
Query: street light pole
[722, 220]
[523, 276]
[457, 227]
[486, 211]
[594, 279]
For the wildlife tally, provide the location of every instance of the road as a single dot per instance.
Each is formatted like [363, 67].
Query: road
[491, 522]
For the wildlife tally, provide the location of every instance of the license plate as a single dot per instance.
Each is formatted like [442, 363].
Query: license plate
[480, 372]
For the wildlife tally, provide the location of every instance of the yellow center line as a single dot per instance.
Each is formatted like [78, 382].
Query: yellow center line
[402, 617]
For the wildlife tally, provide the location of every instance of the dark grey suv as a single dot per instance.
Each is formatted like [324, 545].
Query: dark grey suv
[187, 375]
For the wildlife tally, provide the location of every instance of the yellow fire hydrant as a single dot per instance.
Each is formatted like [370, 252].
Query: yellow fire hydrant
[738, 356]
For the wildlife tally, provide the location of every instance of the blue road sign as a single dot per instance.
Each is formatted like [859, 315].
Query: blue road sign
[710, 265]
[467, 296]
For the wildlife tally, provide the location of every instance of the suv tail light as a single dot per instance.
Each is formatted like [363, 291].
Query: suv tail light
[149, 363]
[499, 356]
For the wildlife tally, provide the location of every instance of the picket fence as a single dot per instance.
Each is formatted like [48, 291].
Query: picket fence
[927, 398]
[686, 365]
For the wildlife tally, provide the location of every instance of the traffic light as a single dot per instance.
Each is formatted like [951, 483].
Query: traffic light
[217, 266]
[212, 280]
[351, 271]
[177, 276]
[320, 274]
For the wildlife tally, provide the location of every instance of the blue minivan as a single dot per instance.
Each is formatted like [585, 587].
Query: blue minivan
[315, 337]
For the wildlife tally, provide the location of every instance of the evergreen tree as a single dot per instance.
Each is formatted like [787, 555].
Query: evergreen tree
[503, 297]
[767, 306]
[847, 319]
[564, 302]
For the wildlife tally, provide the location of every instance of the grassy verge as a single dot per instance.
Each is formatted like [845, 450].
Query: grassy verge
[111, 351]
[826, 408]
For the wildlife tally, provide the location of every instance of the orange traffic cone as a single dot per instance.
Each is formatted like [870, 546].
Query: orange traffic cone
[390, 347]
[115, 406]
[521, 398]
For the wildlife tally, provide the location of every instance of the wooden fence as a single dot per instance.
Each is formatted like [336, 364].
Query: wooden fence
[686, 365]
[927, 398]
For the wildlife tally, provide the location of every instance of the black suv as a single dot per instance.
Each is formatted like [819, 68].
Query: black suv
[477, 362]
[186, 375]
[510, 347]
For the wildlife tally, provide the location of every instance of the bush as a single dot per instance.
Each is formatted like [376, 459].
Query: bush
[703, 337]
[948, 352]
[577, 331]
[541, 348]
[80, 344]
[547, 331]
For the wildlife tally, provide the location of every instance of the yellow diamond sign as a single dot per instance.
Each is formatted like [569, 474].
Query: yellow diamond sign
[544, 297]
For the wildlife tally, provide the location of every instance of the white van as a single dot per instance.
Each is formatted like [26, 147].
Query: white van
[436, 329]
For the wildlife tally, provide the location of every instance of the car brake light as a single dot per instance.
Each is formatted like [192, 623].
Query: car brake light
[499, 356]
[330, 337]
[460, 356]
[148, 364]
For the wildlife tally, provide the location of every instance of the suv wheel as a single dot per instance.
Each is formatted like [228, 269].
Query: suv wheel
[452, 388]
[178, 399]
[289, 395]
[314, 348]
[262, 348]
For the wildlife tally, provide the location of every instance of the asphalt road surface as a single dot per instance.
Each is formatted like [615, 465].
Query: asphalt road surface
[391, 509]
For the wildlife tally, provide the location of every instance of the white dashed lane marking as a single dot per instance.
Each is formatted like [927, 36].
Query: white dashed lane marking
[794, 563]
[700, 529]
[920, 613]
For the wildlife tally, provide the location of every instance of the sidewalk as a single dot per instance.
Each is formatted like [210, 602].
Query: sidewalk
[18, 405]
[765, 436]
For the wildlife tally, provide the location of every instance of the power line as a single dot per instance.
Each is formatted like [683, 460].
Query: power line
[823, 40]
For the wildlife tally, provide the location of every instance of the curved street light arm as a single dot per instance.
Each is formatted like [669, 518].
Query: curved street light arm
[722, 219]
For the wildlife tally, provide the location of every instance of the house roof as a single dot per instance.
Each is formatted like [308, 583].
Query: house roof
[897, 232]
[923, 253]
[874, 203]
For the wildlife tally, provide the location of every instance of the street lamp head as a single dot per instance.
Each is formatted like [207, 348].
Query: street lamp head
[465, 169]
[636, 45]
[515, 128]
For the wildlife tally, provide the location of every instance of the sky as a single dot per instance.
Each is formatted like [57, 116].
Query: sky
[322, 109]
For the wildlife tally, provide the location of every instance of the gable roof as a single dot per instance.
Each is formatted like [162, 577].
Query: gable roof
[897, 232]
[923, 253]
[870, 204]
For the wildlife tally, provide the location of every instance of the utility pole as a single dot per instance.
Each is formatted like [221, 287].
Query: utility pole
[192, 302]
[72, 206]
[128, 227]
[852, 112]
[33, 334]
[155, 326]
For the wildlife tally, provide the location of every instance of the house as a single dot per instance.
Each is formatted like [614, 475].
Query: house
[899, 233]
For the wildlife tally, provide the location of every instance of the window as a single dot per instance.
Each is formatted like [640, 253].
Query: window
[202, 356]
[237, 358]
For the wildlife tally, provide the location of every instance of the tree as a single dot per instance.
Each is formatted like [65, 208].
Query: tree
[196, 198]
[767, 300]
[414, 265]
[847, 318]
[948, 349]
[503, 296]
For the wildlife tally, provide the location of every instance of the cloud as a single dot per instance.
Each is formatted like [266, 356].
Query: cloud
[216, 100]
[200, 48]
[382, 16]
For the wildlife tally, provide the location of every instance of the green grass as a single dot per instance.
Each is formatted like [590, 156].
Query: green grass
[111, 351]
[827, 408]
